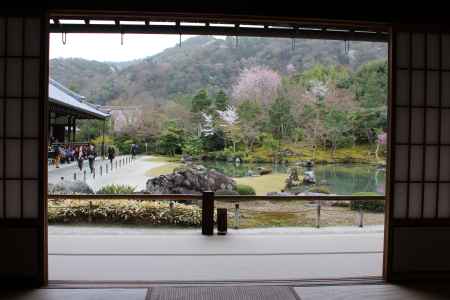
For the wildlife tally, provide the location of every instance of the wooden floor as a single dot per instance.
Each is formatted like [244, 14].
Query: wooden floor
[340, 292]
[372, 292]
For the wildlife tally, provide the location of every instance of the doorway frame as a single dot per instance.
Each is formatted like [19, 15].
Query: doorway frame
[240, 19]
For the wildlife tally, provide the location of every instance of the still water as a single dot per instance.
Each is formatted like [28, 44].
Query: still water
[341, 179]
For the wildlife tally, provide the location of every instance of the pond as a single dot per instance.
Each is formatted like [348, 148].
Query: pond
[341, 179]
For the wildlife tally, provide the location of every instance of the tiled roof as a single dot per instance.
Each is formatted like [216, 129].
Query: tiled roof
[59, 94]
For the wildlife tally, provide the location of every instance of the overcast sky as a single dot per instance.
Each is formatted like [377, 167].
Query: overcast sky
[107, 47]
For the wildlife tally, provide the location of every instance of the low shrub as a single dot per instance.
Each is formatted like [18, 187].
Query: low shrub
[322, 189]
[124, 212]
[341, 204]
[376, 206]
[226, 193]
[117, 189]
[244, 189]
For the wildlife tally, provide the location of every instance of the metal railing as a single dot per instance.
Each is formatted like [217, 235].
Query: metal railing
[208, 199]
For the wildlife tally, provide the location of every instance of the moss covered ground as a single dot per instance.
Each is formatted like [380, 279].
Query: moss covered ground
[264, 184]
[164, 169]
[356, 154]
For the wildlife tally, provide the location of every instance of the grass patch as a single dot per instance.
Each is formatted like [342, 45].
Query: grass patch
[164, 169]
[163, 158]
[279, 213]
[264, 184]
[269, 219]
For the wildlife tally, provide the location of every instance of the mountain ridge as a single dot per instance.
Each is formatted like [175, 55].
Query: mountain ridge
[201, 62]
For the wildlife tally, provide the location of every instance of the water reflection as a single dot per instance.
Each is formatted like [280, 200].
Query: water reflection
[341, 179]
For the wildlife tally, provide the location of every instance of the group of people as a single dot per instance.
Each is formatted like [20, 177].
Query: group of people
[66, 153]
[79, 153]
[62, 153]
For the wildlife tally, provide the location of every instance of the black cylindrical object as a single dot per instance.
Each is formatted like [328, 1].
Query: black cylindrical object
[208, 213]
[222, 224]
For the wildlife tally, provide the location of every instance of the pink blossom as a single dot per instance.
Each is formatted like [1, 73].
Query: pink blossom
[382, 137]
[229, 116]
[258, 84]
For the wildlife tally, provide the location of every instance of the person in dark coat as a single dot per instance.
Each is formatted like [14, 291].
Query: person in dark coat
[133, 150]
[111, 154]
[91, 154]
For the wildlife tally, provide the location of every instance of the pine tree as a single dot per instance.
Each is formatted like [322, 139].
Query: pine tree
[221, 101]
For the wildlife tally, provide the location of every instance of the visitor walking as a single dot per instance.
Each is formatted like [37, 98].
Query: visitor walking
[79, 157]
[91, 154]
[133, 150]
[59, 153]
[111, 154]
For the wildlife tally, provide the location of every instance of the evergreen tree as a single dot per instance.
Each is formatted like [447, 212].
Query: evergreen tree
[221, 100]
[201, 101]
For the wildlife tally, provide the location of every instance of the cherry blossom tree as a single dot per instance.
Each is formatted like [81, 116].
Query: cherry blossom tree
[381, 142]
[258, 84]
[229, 121]
[207, 125]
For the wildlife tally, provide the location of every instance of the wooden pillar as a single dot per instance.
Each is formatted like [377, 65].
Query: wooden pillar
[69, 129]
[208, 213]
[74, 128]
[103, 139]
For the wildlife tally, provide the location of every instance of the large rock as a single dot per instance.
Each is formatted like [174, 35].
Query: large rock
[67, 187]
[190, 179]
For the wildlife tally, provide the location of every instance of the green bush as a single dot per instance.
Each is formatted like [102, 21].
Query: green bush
[244, 189]
[226, 193]
[124, 212]
[116, 189]
[376, 206]
[322, 189]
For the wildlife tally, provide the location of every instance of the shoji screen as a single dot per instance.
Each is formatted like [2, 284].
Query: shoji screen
[419, 238]
[23, 88]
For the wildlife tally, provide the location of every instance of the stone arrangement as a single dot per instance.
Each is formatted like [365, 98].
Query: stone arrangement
[190, 179]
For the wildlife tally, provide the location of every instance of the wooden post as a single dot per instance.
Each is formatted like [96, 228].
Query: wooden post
[69, 129]
[103, 139]
[74, 129]
[361, 216]
[318, 214]
[90, 212]
[208, 213]
[222, 221]
[237, 216]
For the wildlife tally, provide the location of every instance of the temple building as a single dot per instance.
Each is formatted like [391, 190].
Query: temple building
[65, 108]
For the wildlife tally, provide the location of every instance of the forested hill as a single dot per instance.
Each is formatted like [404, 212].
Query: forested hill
[202, 62]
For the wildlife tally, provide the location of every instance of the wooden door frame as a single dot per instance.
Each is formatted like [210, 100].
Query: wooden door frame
[227, 18]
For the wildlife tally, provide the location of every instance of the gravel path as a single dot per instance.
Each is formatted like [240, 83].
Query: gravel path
[130, 174]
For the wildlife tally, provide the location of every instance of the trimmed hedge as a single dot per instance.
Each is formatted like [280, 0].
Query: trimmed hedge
[124, 212]
[226, 193]
[244, 189]
[322, 189]
[376, 206]
[117, 189]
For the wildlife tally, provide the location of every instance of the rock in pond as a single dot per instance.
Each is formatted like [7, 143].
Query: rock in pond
[190, 179]
[264, 171]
